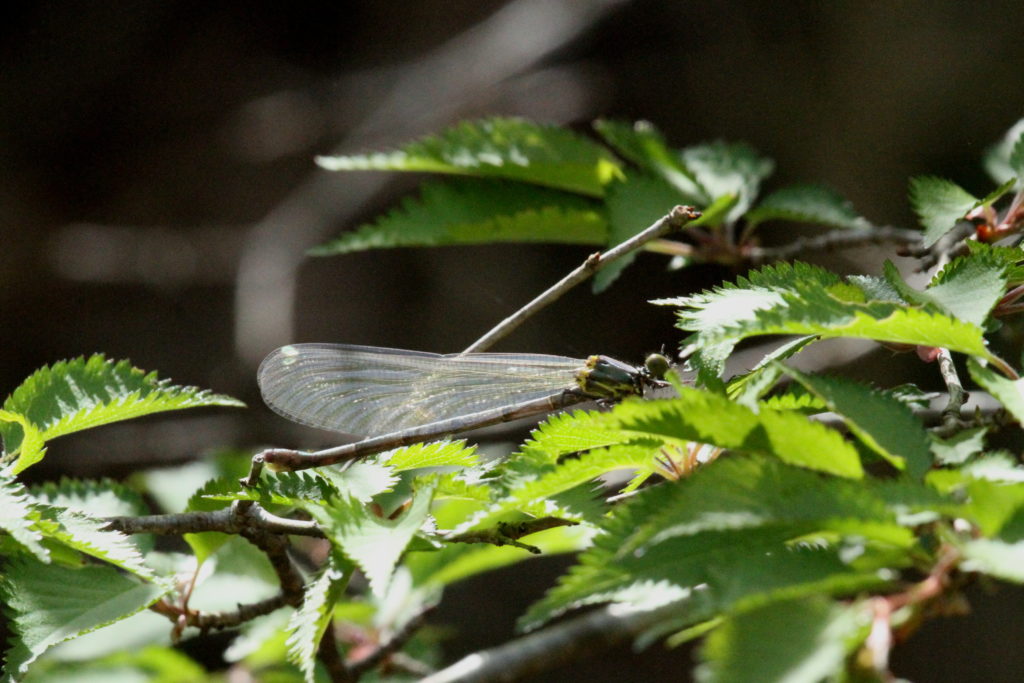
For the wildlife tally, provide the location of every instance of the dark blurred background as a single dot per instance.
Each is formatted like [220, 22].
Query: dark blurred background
[157, 189]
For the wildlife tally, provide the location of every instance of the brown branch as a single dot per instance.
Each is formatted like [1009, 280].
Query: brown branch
[588, 635]
[230, 520]
[508, 533]
[957, 396]
[275, 546]
[396, 643]
[334, 663]
[835, 239]
[222, 619]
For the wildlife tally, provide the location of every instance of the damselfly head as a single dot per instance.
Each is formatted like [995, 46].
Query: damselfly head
[657, 366]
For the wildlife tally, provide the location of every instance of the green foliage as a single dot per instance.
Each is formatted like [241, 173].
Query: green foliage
[478, 211]
[84, 393]
[642, 144]
[50, 603]
[103, 498]
[18, 518]
[885, 424]
[806, 300]
[525, 182]
[498, 148]
[731, 536]
[939, 204]
[818, 637]
[968, 288]
[439, 454]
[708, 417]
[633, 203]
[814, 204]
[372, 542]
[309, 622]
[998, 157]
[1009, 392]
[775, 501]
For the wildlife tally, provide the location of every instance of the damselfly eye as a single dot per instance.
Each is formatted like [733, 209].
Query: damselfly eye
[657, 365]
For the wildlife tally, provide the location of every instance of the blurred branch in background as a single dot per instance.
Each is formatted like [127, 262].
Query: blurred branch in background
[453, 80]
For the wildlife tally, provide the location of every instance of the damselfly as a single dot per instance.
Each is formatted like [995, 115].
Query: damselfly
[396, 397]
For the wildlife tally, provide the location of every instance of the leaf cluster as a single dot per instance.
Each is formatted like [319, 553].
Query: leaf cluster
[748, 503]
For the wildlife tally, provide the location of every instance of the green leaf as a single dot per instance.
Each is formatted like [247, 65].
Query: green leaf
[997, 194]
[361, 480]
[472, 211]
[639, 455]
[28, 445]
[501, 148]
[459, 561]
[969, 287]
[103, 498]
[1007, 391]
[939, 204]
[313, 617]
[87, 535]
[153, 664]
[285, 488]
[372, 542]
[739, 492]
[729, 526]
[50, 603]
[806, 300]
[993, 492]
[634, 203]
[885, 424]
[1016, 159]
[645, 146]
[570, 432]
[436, 454]
[750, 386]
[997, 157]
[817, 635]
[996, 557]
[815, 204]
[711, 418]
[959, 448]
[724, 168]
[1012, 258]
[559, 435]
[83, 393]
[18, 518]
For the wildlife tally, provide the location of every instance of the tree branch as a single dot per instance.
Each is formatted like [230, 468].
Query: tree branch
[334, 663]
[957, 396]
[835, 239]
[396, 643]
[592, 633]
[230, 520]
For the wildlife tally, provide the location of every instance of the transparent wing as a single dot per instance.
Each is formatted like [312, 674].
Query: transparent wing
[367, 391]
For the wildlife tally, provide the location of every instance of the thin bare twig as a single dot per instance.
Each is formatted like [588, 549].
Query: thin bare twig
[675, 219]
[957, 395]
[224, 619]
[393, 645]
[334, 663]
[509, 533]
[275, 547]
[589, 634]
[835, 239]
